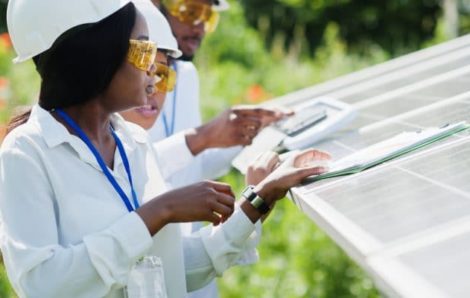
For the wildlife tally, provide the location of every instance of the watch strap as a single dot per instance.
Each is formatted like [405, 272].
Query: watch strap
[256, 201]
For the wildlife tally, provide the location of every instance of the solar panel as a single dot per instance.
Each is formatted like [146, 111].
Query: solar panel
[409, 217]
[429, 267]
[391, 211]
[419, 73]
[387, 69]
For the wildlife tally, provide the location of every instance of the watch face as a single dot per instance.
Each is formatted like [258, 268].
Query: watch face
[248, 193]
[257, 202]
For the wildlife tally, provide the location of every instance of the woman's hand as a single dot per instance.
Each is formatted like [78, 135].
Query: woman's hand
[291, 172]
[263, 165]
[203, 201]
[235, 126]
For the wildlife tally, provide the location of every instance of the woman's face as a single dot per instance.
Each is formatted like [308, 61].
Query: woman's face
[130, 85]
[146, 115]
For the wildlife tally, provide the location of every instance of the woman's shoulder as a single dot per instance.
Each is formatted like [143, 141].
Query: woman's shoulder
[28, 135]
[22, 136]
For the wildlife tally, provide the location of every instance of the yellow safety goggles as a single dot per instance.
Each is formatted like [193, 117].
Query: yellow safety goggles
[142, 54]
[167, 78]
[193, 13]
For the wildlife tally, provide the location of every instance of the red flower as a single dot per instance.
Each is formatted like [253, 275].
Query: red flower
[6, 40]
[256, 94]
[3, 131]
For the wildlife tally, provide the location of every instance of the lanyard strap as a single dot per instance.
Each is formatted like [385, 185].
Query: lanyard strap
[125, 161]
[101, 162]
[170, 130]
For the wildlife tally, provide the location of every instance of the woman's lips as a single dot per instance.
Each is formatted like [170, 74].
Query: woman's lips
[147, 110]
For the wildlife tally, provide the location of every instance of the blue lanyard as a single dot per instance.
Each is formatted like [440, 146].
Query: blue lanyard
[170, 130]
[101, 162]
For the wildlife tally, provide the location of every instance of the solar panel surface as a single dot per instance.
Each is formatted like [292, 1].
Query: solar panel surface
[409, 217]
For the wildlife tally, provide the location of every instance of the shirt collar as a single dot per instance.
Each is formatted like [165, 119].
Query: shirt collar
[55, 133]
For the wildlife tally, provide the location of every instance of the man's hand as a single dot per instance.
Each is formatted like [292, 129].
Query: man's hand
[235, 126]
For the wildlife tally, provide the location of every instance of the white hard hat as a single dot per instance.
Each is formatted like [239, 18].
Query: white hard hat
[220, 5]
[159, 28]
[34, 25]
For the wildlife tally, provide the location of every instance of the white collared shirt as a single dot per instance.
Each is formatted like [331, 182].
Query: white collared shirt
[66, 232]
[182, 112]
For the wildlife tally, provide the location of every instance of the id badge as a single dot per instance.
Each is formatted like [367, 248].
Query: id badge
[146, 279]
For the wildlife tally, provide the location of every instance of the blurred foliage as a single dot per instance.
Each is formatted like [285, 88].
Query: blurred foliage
[18, 84]
[234, 65]
[393, 25]
[5, 289]
[3, 15]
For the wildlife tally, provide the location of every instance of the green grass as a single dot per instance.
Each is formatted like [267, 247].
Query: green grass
[5, 288]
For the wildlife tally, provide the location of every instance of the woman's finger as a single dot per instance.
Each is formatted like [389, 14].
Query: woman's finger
[248, 124]
[271, 160]
[221, 209]
[214, 218]
[250, 132]
[243, 139]
[301, 174]
[221, 187]
[250, 111]
[226, 200]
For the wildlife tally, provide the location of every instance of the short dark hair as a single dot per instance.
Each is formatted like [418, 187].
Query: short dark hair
[82, 62]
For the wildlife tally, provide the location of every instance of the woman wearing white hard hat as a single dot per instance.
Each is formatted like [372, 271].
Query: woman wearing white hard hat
[160, 32]
[83, 208]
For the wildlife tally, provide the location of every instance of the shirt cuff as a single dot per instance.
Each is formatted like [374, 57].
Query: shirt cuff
[250, 254]
[225, 244]
[239, 227]
[167, 149]
[248, 257]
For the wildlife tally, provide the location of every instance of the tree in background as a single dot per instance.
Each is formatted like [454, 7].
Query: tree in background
[3, 15]
[393, 25]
